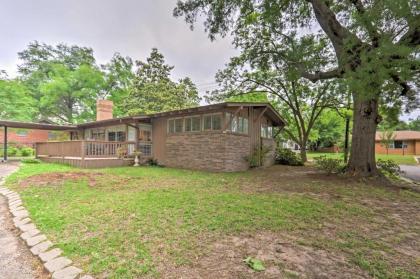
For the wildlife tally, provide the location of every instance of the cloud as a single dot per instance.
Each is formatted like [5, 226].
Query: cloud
[131, 27]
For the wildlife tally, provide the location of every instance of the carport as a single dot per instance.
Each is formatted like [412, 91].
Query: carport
[29, 125]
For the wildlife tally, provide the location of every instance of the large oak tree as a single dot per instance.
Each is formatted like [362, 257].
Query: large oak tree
[374, 46]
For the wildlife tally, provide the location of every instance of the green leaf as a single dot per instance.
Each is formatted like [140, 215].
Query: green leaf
[255, 264]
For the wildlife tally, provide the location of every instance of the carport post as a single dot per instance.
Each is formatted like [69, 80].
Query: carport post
[5, 144]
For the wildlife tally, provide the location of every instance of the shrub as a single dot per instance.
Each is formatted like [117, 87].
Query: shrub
[154, 162]
[122, 152]
[330, 165]
[26, 151]
[12, 151]
[286, 156]
[30, 161]
[388, 167]
[257, 157]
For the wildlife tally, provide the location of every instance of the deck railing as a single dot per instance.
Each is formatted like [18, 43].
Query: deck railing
[85, 149]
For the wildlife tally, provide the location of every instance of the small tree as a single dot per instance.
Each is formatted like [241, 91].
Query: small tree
[387, 139]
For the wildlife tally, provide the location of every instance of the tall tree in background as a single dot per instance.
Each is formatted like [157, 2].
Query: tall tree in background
[15, 101]
[119, 79]
[69, 95]
[300, 102]
[63, 80]
[154, 91]
[374, 46]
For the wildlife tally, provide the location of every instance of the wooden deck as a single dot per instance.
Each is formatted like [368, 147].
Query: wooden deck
[87, 154]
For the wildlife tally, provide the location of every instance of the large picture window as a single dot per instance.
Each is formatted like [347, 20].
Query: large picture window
[212, 122]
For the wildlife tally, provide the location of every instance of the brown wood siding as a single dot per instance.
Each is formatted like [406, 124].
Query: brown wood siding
[159, 138]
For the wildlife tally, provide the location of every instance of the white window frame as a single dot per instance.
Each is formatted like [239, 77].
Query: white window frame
[212, 114]
[174, 119]
[189, 118]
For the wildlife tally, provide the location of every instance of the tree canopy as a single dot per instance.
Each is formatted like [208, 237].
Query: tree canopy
[371, 46]
[62, 83]
[154, 91]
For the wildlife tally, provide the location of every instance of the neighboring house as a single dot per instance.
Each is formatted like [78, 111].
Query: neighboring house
[216, 137]
[25, 137]
[289, 144]
[404, 143]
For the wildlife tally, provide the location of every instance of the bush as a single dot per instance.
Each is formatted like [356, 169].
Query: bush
[154, 162]
[257, 157]
[388, 167]
[30, 161]
[287, 157]
[12, 151]
[330, 165]
[26, 151]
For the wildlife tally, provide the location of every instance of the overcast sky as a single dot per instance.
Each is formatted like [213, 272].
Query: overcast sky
[130, 27]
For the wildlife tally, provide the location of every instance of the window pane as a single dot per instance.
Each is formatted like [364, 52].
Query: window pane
[240, 124]
[111, 136]
[245, 125]
[227, 119]
[179, 125]
[171, 124]
[234, 125]
[188, 126]
[196, 123]
[398, 144]
[270, 132]
[207, 122]
[145, 149]
[217, 122]
[120, 136]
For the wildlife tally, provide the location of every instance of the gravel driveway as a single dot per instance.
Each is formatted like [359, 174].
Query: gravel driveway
[16, 261]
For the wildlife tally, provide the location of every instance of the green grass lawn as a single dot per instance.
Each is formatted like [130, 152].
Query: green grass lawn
[148, 221]
[399, 159]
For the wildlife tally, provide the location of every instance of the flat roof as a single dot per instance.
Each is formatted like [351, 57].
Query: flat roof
[36, 126]
[146, 118]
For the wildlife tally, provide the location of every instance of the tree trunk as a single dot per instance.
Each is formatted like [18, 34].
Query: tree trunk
[365, 119]
[303, 151]
[346, 140]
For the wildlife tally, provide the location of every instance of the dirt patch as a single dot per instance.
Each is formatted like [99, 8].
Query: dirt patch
[59, 178]
[280, 254]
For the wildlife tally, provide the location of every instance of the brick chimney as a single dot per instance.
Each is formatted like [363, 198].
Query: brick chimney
[104, 110]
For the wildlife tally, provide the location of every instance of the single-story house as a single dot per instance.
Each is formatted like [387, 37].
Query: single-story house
[216, 137]
[403, 143]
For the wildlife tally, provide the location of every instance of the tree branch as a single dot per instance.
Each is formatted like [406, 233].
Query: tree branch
[335, 73]
[373, 33]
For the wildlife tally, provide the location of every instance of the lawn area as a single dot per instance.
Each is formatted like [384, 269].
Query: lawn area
[168, 223]
[399, 159]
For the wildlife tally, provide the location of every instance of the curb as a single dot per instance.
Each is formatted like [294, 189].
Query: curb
[58, 266]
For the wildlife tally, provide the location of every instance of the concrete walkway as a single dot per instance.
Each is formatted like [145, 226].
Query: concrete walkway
[16, 261]
[412, 172]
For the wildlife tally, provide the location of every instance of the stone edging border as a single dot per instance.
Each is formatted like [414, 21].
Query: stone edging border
[60, 267]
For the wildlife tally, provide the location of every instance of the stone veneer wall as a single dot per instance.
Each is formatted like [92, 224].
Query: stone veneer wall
[213, 151]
